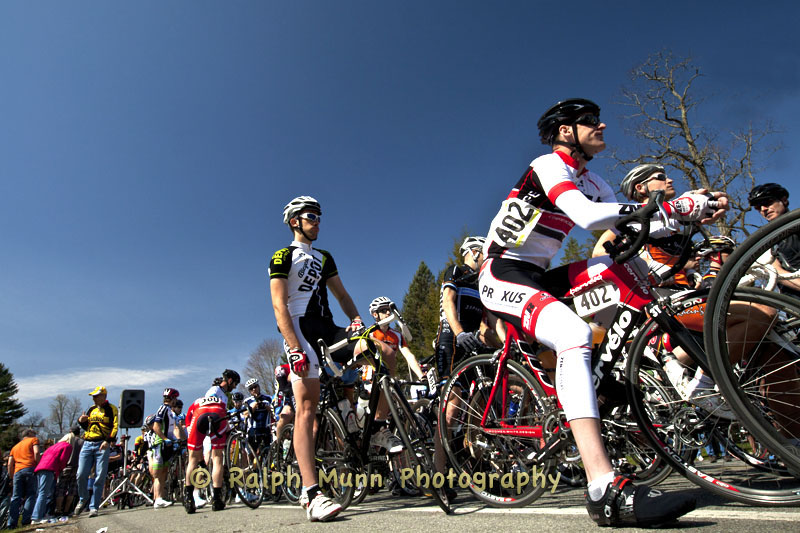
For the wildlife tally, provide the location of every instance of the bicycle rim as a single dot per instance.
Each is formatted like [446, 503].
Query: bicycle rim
[471, 450]
[677, 430]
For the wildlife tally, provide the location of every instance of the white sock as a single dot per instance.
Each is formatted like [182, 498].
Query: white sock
[597, 487]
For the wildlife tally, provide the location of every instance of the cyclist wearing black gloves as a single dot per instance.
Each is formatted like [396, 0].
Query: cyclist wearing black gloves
[460, 309]
[555, 193]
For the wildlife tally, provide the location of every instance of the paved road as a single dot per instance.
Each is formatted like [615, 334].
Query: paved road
[561, 511]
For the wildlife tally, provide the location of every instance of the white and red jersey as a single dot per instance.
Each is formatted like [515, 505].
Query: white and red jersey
[549, 200]
[199, 413]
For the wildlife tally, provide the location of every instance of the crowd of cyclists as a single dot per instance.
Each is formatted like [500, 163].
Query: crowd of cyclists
[505, 286]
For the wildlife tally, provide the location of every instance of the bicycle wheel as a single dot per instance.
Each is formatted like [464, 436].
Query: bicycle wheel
[752, 341]
[629, 451]
[416, 440]
[242, 464]
[332, 454]
[286, 463]
[677, 430]
[474, 451]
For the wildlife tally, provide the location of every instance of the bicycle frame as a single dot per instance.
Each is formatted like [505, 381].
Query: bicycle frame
[637, 301]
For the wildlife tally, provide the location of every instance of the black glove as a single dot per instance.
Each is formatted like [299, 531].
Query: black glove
[467, 342]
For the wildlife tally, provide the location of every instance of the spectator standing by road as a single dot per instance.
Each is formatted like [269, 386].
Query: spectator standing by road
[21, 462]
[101, 422]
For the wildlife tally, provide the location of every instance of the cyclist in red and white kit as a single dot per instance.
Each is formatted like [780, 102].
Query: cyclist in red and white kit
[205, 418]
[556, 193]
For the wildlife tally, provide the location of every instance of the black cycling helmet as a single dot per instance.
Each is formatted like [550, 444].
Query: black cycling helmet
[232, 374]
[767, 191]
[566, 112]
[179, 403]
[237, 397]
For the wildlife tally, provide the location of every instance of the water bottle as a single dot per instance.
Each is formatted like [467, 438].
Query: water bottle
[513, 407]
[348, 415]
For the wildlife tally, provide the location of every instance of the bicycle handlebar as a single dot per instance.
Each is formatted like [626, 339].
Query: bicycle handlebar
[628, 242]
[326, 350]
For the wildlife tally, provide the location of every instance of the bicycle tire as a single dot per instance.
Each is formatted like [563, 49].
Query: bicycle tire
[332, 452]
[415, 438]
[466, 451]
[677, 431]
[239, 454]
[724, 294]
[286, 463]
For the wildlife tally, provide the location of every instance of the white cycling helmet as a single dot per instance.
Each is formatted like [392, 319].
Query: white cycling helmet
[471, 243]
[379, 303]
[297, 205]
[250, 383]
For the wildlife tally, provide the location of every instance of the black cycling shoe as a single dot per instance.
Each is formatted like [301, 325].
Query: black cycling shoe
[218, 504]
[627, 505]
[188, 500]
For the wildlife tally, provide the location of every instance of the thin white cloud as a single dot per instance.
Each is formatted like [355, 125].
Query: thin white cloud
[35, 387]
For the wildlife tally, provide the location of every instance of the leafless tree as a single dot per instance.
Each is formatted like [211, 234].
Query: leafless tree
[64, 411]
[262, 362]
[662, 115]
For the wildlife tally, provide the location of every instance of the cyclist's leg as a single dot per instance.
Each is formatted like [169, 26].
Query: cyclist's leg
[516, 295]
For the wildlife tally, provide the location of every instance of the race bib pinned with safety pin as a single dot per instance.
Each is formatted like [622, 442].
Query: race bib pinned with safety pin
[514, 223]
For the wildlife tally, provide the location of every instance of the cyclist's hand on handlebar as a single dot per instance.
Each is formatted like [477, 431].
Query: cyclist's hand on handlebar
[298, 362]
[698, 206]
[468, 342]
[356, 325]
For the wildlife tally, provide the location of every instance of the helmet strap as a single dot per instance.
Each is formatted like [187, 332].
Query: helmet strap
[575, 146]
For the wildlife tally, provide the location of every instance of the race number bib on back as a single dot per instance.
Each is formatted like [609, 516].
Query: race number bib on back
[514, 223]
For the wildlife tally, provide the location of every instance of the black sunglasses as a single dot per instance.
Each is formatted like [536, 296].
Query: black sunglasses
[657, 177]
[588, 120]
[758, 204]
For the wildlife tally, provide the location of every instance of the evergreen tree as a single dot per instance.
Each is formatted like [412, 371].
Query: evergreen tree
[10, 409]
[421, 310]
[575, 251]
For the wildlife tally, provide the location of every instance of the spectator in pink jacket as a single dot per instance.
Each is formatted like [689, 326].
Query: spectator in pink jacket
[53, 461]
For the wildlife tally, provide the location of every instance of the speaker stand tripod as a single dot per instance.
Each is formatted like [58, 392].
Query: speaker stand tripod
[127, 486]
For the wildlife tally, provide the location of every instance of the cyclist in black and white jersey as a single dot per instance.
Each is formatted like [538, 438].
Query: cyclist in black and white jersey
[460, 310]
[300, 276]
[555, 193]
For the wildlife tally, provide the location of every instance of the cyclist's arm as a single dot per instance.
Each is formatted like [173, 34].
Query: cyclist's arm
[412, 361]
[791, 283]
[336, 286]
[598, 250]
[158, 430]
[11, 466]
[279, 291]
[450, 311]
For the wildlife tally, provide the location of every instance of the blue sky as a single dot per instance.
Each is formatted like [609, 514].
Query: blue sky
[148, 148]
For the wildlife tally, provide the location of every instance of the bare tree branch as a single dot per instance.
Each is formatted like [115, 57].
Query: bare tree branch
[661, 101]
